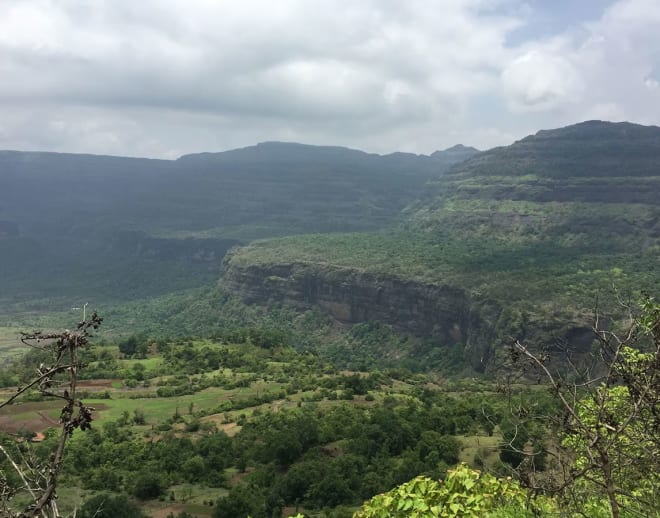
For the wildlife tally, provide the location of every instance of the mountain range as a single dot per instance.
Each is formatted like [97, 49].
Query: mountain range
[461, 247]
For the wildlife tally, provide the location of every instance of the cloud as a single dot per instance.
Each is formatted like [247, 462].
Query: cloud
[538, 81]
[161, 77]
[603, 68]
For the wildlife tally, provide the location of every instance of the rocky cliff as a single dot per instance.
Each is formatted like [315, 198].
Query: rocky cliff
[447, 314]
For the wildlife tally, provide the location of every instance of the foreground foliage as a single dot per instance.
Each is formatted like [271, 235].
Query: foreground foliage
[36, 481]
[464, 493]
[609, 419]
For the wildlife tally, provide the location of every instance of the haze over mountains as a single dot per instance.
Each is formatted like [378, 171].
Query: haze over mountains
[107, 219]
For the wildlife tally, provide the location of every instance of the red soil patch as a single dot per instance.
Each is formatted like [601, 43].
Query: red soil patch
[38, 438]
[9, 425]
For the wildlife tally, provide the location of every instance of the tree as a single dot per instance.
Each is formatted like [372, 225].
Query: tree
[103, 478]
[129, 346]
[110, 506]
[609, 423]
[241, 501]
[57, 379]
[147, 485]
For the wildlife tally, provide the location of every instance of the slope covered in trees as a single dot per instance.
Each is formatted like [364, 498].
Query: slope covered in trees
[243, 425]
[531, 232]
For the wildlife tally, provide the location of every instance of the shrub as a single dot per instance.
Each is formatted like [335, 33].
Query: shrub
[464, 493]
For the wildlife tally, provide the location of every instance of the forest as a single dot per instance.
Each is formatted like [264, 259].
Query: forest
[242, 424]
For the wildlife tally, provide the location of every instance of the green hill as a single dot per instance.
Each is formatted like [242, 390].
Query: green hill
[530, 233]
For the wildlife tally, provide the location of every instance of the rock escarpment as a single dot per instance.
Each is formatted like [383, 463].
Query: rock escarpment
[447, 314]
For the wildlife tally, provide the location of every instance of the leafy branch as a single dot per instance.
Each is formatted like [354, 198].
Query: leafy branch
[608, 426]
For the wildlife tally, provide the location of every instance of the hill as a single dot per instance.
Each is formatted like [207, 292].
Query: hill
[114, 228]
[523, 238]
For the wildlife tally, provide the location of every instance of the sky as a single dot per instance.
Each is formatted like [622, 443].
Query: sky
[162, 78]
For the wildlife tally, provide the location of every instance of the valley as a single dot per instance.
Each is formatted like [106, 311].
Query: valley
[295, 329]
[204, 418]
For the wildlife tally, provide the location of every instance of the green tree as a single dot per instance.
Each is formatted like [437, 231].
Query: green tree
[104, 478]
[128, 346]
[138, 417]
[147, 485]
[242, 501]
[194, 469]
[465, 493]
[110, 506]
[610, 416]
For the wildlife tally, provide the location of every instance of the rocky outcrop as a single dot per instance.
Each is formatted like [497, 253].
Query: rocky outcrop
[445, 313]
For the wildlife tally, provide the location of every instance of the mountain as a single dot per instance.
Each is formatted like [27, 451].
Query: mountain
[455, 154]
[515, 241]
[88, 225]
[594, 178]
[287, 188]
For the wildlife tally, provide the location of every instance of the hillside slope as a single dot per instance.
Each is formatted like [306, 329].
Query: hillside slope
[116, 228]
[531, 231]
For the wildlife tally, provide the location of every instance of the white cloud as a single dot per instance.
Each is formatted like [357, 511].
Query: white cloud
[540, 80]
[159, 77]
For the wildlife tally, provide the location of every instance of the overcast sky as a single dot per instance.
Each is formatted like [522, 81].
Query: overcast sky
[161, 78]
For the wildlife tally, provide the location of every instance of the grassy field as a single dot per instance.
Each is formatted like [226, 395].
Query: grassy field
[10, 344]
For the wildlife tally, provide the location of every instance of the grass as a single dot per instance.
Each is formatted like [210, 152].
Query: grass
[10, 344]
[483, 447]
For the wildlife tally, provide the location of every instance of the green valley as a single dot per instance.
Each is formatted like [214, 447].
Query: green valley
[317, 330]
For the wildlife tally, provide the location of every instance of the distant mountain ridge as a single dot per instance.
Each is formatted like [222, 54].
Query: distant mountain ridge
[61, 211]
[296, 150]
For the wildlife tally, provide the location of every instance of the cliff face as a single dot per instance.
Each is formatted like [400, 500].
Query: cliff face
[445, 313]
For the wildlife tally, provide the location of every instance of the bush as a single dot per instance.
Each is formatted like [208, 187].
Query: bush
[109, 506]
[465, 493]
[147, 486]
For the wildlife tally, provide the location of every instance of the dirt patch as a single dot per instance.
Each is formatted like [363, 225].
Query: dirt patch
[173, 510]
[230, 429]
[32, 416]
[163, 512]
[9, 425]
[236, 479]
[100, 383]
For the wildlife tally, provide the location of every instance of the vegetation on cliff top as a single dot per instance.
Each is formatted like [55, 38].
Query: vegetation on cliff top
[551, 218]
